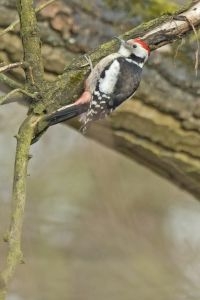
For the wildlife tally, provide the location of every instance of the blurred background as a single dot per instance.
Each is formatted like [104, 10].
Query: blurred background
[98, 225]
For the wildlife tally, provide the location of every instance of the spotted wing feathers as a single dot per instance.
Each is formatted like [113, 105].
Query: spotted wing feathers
[117, 82]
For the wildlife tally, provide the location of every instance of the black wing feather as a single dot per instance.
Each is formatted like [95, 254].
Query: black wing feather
[127, 83]
[67, 113]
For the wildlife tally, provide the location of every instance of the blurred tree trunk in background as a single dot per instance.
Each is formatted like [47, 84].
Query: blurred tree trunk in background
[160, 128]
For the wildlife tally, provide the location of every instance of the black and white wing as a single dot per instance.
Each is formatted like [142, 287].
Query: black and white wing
[117, 82]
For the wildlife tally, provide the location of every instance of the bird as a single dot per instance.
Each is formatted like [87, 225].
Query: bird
[113, 80]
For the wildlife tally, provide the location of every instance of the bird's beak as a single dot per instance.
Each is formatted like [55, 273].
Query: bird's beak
[120, 40]
[123, 42]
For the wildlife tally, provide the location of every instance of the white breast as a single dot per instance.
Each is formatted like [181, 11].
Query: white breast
[107, 84]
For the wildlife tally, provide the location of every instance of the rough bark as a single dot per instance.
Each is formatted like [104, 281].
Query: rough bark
[160, 128]
[33, 69]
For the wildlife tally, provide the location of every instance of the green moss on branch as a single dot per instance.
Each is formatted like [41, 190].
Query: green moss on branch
[31, 42]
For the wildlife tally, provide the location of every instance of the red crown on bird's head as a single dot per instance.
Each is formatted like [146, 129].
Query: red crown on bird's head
[142, 43]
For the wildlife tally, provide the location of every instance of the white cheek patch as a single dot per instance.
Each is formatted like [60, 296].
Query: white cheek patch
[141, 52]
[124, 51]
[107, 84]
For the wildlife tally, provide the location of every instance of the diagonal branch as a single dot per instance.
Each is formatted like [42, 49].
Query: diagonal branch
[17, 92]
[10, 82]
[162, 139]
[11, 66]
[159, 32]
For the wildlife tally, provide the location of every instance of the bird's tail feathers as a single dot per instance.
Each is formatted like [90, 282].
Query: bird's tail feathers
[66, 113]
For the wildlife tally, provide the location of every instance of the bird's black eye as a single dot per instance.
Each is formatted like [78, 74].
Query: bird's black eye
[134, 46]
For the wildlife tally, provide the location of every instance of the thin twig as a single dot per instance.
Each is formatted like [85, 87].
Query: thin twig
[6, 97]
[198, 47]
[12, 66]
[177, 49]
[10, 82]
[184, 18]
[39, 8]
[15, 23]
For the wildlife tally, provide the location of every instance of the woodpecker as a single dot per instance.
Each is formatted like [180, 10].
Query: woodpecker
[112, 81]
